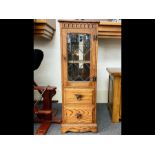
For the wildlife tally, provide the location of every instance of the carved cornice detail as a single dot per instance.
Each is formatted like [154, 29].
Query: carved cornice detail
[79, 25]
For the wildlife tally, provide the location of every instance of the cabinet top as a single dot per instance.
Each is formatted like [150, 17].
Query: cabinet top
[103, 23]
[79, 20]
[114, 71]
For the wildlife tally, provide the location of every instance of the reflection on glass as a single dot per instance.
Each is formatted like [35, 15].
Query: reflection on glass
[78, 48]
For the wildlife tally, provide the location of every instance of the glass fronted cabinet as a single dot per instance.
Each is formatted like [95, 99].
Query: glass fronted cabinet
[79, 46]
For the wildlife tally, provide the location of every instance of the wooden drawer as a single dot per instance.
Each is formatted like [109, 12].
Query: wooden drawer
[74, 95]
[78, 114]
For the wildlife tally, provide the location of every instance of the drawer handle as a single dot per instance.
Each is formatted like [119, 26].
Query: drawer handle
[78, 97]
[78, 116]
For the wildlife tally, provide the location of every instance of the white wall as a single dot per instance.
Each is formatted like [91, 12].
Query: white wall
[109, 55]
[49, 72]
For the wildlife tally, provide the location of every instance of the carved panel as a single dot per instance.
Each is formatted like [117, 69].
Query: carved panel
[78, 25]
[78, 128]
[78, 115]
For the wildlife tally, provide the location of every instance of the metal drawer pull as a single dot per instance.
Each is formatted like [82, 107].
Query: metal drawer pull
[78, 97]
[78, 116]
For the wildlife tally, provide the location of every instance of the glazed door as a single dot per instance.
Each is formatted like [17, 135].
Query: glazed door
[79, 58]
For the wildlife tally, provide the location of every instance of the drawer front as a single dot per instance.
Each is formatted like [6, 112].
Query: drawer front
[74, 95]
[78, 115]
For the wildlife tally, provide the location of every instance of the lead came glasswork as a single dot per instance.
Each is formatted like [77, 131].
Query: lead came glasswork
[78, 49]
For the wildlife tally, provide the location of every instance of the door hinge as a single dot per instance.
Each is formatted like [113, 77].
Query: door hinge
[94, 78]
[95, 37]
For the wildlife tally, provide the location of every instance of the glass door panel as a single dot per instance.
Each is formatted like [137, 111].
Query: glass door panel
[78, 51]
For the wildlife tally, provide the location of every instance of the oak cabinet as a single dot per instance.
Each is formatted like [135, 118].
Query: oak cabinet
[79, 46]
[114, 95]
[109, 29]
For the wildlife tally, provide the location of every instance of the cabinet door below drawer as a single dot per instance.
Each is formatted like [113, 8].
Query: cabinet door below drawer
[78, 114]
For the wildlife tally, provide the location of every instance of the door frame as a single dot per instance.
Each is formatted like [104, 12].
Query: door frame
[93, 59]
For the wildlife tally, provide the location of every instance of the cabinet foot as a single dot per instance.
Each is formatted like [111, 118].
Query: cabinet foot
[78, 128]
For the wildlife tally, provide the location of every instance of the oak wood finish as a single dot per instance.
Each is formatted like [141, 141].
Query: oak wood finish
[49, 22]
[44, 28]
[79, 127]
[114, 97]
[109, 30]
[76, 113]
[85, 95]
[78, 98]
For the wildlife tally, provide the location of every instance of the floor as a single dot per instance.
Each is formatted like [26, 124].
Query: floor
[105, 126]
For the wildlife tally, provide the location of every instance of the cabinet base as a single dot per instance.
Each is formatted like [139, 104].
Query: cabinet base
[114, 118]
[78, 128]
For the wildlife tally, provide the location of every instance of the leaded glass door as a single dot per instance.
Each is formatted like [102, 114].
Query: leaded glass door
[79, 58]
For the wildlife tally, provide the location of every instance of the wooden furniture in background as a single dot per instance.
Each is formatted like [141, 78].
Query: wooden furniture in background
[44, 28]
[43, 111]
[109, 29]
[114, 95]
[47, 114]
[79, 46]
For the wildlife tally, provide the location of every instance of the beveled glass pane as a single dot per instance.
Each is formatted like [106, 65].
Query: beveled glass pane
[78, 49]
